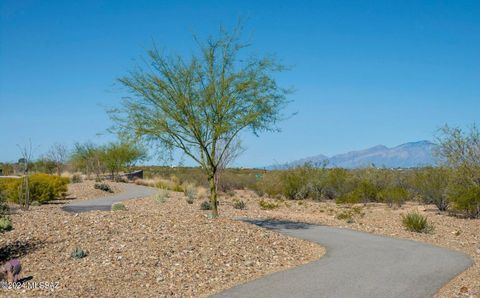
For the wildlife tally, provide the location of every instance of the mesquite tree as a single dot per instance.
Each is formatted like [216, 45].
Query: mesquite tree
[200, 104]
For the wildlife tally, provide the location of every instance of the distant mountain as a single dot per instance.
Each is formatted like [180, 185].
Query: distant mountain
[408, 155]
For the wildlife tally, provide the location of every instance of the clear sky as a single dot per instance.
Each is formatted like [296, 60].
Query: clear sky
[366, 72]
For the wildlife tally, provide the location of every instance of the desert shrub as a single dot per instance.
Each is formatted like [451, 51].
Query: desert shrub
[44, 188]
[465, 195]
[5, 224]
[349, 215]
[9, 187]
[415, 222]
[460, 151]
[364, 191]
[118, 207]
[431, 185]
[269, 184]
[190, 192]
[103, 186]
[205, 205]
[266, 205]
[345, 215]
[78, 253]
[162, 196]
[337, 183]
[352, 197]
[230, 180]
[393, 196]
[239, 204]
[77, 178]
[3, 204]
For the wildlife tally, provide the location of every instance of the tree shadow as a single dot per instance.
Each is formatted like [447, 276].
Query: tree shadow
[272, 224]
[18, 249]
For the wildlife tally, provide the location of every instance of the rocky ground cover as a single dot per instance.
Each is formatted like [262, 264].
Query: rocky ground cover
[156, 248]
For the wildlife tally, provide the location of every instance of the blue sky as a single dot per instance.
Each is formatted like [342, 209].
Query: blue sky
[366, 72]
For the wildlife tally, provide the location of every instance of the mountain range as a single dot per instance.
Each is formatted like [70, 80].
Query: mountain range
[408, 155]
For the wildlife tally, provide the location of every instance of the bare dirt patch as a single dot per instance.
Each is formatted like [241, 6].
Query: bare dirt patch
[153, 249]
[85, 190]
[450, 232]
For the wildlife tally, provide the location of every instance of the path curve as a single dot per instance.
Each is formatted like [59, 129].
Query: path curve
[357, 264]
[132, 191]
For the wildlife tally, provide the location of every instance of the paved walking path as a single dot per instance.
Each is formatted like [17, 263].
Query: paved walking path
[132, 191]
[357, 264]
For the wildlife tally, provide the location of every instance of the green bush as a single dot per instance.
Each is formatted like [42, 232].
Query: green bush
[239, 204]
[393, 196]
[78, 253]
[265, 205]
[103, 186]
[43, 188]
[118, 207]
[464, 190]
[5, 224]
[3, 206]
[415, 222]
[431, 185]
[205, 205]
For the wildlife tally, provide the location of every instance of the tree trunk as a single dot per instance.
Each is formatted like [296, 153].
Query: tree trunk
[213, 195]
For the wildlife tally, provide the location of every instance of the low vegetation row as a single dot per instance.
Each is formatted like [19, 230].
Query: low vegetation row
[42, 188]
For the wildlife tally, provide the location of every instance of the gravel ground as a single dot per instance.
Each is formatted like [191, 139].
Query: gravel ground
[151, 250]
[85, 190]
[451, 232]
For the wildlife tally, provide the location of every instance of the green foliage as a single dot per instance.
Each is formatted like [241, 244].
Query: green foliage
[415, 222]
[103, 186]
[266, 205]
[44, 188]
[461, 152]
[239, 204]
[337, 183]
[118, 207]
[393, 196]
[201, 103]
[431, 185]
[345, 215]
[78, 253]
[3, 205]
[88, 158]
[5, 224]
[464, 193]
[191, 193]
[120, 156]
[364, 191]
[349, 215]
[205, 205]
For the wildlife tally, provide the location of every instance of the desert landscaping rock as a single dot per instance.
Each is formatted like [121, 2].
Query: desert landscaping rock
[152, 250]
